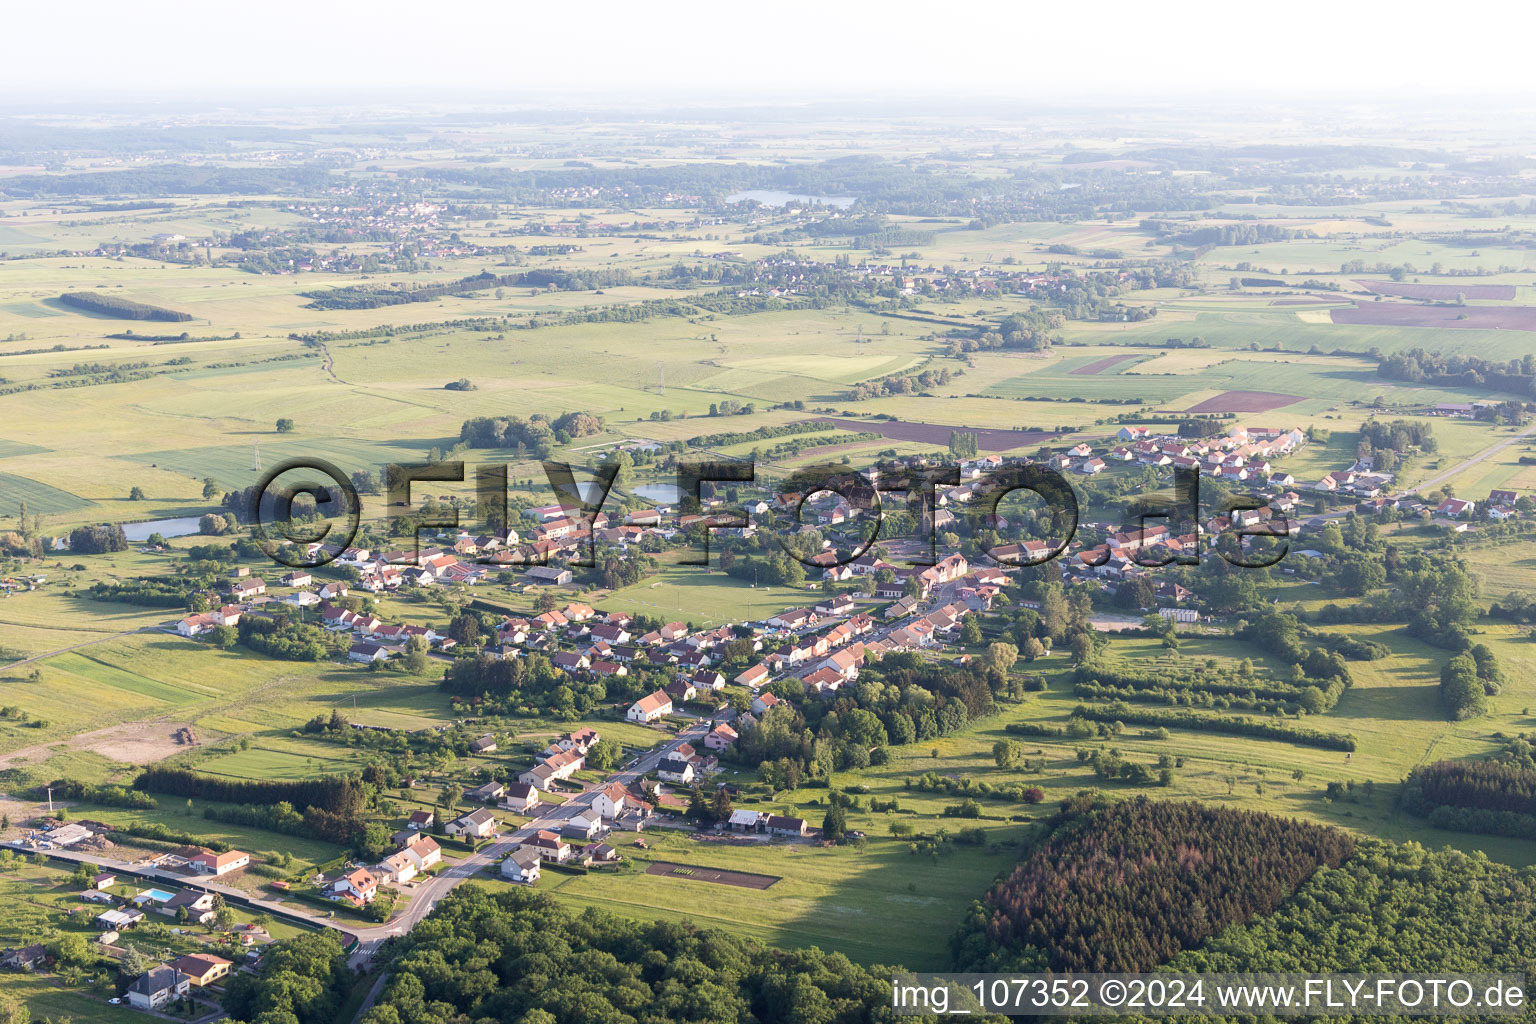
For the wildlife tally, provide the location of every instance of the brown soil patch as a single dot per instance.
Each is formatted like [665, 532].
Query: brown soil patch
[1440, 292]
[130, 742]
[1477, 318]
[1244, 401]
[937, 434]
[692, 873]
[1100, 365]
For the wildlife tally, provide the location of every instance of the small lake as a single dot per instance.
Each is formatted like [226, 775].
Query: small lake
[184, 526]
[771, 198]
[662, 494]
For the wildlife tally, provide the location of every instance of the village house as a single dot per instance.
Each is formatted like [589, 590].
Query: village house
[492, 790]
[248, 587]
[521, 797]
[423, 851]
[216, 864]
[397, 868]
[198, 906]
[753, 677]
[783, 826]
[720, 737]
[477, 824]
[548, 846]
[676, 770]
[357, 887]
[154, 988]
[367, 653]
[611, 801]
[561, 765]
[421, 820]
[582, 826]
[522, 865]
[202, 969]
[651, 707]
[763, 701]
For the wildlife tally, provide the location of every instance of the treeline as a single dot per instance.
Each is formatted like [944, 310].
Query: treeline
[97, 540]
[1467, 680]
[120, 308]
[607, 968]
[898, 384]
[337, 799]
[147, 591]
[106, 794]
[1494, 797]
[1179, 233]
[901, 699]
[1232, 725]
[1028, 331]
[761, 433]
[1418, 365]
[1388, 909]
[288, 639]
[1207, 686]
[363, 297]
[282, 817]
[304, 979]
[531, 686]
[534, 437]
[1129, 885]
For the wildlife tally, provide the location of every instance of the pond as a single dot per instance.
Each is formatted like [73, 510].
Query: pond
[138, 533]
[662, 494]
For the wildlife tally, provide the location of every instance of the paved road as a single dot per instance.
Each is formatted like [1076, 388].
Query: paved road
[549, 816]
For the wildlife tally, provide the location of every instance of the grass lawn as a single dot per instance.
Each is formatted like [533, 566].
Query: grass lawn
[835, 898]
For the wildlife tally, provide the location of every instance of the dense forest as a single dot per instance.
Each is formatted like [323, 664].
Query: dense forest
[1389, 909]
[1127, 886]
[332, 806]
[120, 308]
[518, 956]
[1496, 796]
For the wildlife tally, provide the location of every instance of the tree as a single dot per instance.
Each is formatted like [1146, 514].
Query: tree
[1461, 692]
[71, 948]
[1002, 656]
[834, 825]
[1008, 753]
[698, 807]
[720, 805]
[285, 426]
[13, 1010]
[134, 963]
[136, 494]
[210, 488]
[970, 632]
[415, 659]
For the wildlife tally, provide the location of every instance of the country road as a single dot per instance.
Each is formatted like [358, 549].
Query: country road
[1473, 460]
[88, 643]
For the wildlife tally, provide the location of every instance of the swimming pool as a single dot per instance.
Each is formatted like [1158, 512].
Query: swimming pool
[153, 896]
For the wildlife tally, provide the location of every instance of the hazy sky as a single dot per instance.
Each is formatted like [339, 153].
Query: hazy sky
[516, 52]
